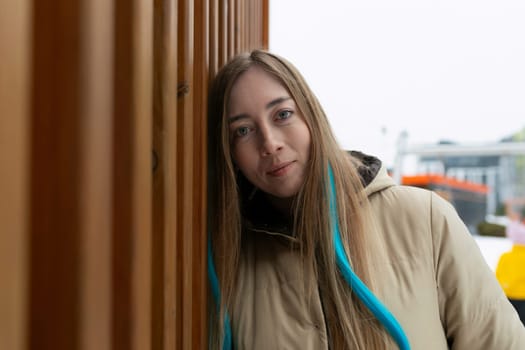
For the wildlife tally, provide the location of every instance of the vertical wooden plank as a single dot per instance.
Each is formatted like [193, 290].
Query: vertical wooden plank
[237, 28]
[241, 25]
[259, 23]
[231, 28]
[251, 23]
[254, 21]
[186, 179]
[184, 173]
[142, 192]
[55, 153]
[132, 180]
[164, 176]
[199, 236]
[223, 32]
[95, 175]
[247, 21]
[123, 128]
[15, 40]
[265, 24]
[247, 26]
[257, 31]
[214, 37]
[157, 268]
[169, 170]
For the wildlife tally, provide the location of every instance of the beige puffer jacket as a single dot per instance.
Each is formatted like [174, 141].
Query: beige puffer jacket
[434, 280]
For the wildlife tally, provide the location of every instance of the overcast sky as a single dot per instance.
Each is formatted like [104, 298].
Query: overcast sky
[447, 69]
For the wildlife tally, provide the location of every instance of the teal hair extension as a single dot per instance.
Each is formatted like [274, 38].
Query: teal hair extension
[215, 289]
[358, 287]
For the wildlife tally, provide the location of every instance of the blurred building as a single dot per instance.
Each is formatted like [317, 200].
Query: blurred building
[498, 166]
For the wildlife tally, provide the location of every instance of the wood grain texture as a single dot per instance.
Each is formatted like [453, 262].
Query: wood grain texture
[104, 136]
[15, 31]
[95, 183]
[132, 178]
[54, 185]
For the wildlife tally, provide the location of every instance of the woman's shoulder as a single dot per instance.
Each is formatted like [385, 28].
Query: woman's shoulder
[403, 217]
[413, 217]
[403, 198]
[410, 198]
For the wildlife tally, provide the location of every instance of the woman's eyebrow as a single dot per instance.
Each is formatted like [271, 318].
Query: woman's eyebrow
[277, 101]
[233, 119]
[269, 105]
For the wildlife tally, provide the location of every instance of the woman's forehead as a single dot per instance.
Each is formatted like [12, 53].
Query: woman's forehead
[255, 86]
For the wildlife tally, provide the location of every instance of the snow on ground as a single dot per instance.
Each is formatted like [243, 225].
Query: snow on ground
[492, 248]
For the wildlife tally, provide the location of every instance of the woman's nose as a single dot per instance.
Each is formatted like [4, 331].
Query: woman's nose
[271, 143]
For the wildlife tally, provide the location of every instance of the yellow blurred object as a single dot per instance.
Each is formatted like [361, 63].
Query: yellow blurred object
[510, 272]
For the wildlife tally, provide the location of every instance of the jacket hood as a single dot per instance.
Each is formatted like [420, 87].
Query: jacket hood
[374, 175]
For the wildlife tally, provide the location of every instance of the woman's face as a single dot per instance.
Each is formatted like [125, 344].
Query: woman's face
[269, 138]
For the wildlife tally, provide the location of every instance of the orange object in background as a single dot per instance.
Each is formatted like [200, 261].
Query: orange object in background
[469, 198]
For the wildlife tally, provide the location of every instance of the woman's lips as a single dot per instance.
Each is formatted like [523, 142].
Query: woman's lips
[280, 170]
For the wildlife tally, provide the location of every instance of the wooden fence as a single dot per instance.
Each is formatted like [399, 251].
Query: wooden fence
[103, 167]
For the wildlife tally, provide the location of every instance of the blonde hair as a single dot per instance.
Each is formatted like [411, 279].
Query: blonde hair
[350, 323]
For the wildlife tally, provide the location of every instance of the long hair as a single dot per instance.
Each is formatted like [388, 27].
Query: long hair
[350, 323]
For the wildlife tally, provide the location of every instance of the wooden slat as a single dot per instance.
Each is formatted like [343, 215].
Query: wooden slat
[132, 180]
[199, 159]
[164, 176]
[95, 175]
[55, 153]
[241, 18]
[142, 182]
[231, 28]
[213, 37]
[223, 32]
[15, 43]
[246, 25]
[265, 24]
[255, 21]
[122, 178]
[237, 28]
[184, 175]
[250, 23]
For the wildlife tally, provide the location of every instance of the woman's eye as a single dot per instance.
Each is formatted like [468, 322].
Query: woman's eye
[284, 114]
[242, 131]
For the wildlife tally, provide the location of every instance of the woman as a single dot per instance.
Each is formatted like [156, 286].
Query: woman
[314, 248]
